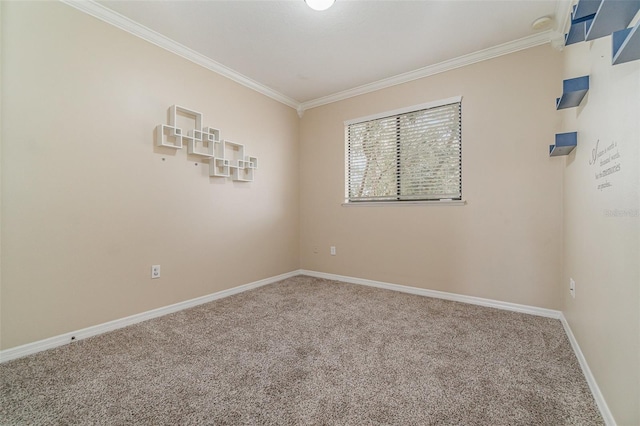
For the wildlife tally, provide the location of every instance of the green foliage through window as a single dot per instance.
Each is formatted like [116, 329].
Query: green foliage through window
[406, 157]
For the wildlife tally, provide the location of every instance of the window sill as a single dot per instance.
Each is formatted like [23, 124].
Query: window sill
[405, 203]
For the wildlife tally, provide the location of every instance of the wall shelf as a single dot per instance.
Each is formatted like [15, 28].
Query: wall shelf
[565, 143]
[626, 45]
[202, 142]
[226, 158]
[575, 34]
[168, 136]
[573, 91]
[584, 10]
[612, 15]
[229, 161]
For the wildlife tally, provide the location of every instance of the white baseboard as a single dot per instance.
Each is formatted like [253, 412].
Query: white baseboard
[63, 339]
[525, 309]
[591, 381]
[549, 313]
[52, 342]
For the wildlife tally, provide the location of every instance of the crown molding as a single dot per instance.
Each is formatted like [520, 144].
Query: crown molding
[96, 10]
[461, 61]
[562, 17]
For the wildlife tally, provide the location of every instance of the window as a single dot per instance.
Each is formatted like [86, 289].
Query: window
[406, 155]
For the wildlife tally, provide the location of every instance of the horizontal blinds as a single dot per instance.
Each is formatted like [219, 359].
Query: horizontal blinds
[410, 156]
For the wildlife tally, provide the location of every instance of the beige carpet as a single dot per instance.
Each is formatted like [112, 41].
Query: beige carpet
[309, 351]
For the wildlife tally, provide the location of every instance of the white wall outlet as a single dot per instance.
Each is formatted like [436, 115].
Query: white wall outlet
[155, 271]
[572, 288]
[333, 250]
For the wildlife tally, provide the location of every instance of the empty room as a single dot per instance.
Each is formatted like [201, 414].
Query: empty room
[320, 212]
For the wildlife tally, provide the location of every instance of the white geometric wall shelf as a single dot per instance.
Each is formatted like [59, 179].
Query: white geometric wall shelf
[202, 142]
[168, 136]
[230, 161]
[226, 158]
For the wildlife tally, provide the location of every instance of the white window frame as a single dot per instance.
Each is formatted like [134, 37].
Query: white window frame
[399, 111]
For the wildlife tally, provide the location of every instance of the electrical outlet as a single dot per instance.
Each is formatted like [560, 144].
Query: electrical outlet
[572, 288]
[333, 250]
[315, 249]
[155, 271]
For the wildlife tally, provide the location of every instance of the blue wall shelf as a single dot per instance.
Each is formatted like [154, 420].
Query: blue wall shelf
[576, 33]
[612, 15]
[584, 10]
[565, 143]
[573, 91]
[626, 45]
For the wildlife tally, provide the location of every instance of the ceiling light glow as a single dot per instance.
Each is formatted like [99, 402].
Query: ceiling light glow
[319, 4]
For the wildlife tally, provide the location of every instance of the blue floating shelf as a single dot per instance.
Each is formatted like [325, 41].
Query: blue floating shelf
[581, 12]
[576, 33]
[584, 10]
[612, 15]
[573, 91]
[565, 143]
[626, 45]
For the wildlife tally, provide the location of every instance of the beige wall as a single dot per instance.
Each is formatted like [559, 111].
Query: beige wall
[89, 205]
[601, 226]
[505, 244]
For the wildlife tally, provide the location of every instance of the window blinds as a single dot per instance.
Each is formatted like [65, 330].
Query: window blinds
[410, 156]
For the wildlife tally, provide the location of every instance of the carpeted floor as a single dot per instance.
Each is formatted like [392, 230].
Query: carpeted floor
[309, 351]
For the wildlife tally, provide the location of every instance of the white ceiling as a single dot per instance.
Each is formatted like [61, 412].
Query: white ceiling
[303, 56]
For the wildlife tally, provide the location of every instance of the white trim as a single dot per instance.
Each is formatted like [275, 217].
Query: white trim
[90, 7]
[507, 306]
[525, 309]
[405, 110]
[53, 342]
[451, 64]
[63, 339]
[404, 203]
[107, 15]
[591, 380]
[562, 16]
